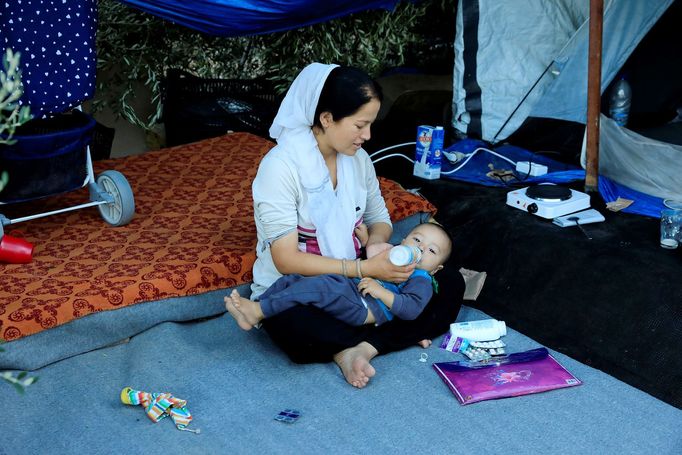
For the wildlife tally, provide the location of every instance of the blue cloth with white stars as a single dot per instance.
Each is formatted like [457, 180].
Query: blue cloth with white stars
[56, 39]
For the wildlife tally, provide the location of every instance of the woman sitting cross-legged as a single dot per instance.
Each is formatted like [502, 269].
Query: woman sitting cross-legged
[310, 193]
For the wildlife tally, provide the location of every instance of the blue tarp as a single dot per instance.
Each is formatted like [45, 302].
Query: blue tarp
[252, 17]
[56, 38]
[476, 170]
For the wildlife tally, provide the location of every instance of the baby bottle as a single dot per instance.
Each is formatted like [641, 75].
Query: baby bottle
[404, 255]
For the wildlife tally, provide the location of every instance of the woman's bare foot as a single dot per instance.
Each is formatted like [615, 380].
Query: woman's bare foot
[354, 364]
[425, 343]
[246, 312]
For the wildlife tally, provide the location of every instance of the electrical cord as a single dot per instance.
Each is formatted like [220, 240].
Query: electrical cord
[391, 148]
[466, 160]
[530, 165]
[392, 155]
[471, 155]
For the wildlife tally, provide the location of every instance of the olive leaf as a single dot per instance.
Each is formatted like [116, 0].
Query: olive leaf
[136, 50]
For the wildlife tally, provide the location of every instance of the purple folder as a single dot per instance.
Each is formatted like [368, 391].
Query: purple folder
[517, 374]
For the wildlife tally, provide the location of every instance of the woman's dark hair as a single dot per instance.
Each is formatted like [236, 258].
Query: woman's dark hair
[345, 91]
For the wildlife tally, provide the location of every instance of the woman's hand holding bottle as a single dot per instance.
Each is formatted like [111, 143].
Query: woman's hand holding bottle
[381, 268]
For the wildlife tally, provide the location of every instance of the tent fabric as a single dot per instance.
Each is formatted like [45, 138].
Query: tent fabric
[647, 165]
[529, 58]
[252, 17]
[625, 24]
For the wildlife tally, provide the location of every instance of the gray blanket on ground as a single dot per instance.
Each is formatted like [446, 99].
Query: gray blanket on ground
[235, 382]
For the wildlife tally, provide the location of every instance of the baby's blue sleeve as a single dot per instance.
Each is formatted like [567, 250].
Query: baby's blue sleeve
[414, 296]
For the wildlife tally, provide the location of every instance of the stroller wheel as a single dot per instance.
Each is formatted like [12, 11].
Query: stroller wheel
[121, 210]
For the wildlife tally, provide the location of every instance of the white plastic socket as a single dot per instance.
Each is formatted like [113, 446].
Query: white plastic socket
[522, 167]
[455, 157]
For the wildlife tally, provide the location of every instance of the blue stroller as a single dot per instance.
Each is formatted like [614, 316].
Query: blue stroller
[51, 154]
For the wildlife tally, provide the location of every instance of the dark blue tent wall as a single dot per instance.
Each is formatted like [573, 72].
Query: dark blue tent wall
[252, 17]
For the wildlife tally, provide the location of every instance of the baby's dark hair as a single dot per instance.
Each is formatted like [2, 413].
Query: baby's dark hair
[345, 91]
[442, 229]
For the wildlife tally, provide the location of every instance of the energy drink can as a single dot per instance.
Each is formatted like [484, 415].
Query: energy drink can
[429, 152]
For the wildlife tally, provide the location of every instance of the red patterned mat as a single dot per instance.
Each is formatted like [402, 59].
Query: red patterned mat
[193, 232]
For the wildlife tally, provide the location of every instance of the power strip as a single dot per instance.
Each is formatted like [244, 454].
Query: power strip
[530, 169]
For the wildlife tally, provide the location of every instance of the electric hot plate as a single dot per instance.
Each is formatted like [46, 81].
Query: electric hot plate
[547, 200]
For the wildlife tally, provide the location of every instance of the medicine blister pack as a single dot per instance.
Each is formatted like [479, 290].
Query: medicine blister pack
[474, 350]
[488, 344]
[476, 354]
[479, 351]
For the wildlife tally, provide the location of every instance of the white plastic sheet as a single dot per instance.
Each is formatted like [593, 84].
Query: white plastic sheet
[647, 165]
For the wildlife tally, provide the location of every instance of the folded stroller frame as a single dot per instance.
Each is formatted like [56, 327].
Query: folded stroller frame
[54, 158]
[51, 154]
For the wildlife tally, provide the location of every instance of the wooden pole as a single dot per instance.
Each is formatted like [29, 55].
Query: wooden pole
[594, 96]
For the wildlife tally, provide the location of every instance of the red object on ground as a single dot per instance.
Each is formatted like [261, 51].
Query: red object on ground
[15, 250]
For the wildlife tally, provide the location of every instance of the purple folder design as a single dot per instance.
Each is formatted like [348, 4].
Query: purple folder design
[517, 374]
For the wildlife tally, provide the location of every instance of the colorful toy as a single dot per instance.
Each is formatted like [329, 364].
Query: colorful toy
[160, 405]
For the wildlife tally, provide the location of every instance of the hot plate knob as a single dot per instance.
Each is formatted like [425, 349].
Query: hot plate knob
[532, 208]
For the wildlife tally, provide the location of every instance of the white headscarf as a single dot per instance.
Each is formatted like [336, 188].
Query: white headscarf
[333, 214]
